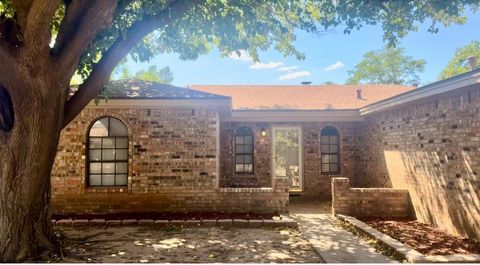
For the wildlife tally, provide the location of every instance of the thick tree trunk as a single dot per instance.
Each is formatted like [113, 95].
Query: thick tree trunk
[27, 154]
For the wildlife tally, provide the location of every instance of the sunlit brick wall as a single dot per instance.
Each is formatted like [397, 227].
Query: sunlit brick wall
[431, 148]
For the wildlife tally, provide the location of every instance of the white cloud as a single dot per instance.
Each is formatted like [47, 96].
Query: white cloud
[270, 65]
[287, 68]
[335, 66]
[244, 56]
[293, 75]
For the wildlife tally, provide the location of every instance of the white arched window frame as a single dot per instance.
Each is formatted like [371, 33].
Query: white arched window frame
[107, 157]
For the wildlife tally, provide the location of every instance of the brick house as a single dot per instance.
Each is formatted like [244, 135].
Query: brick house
[154, 147]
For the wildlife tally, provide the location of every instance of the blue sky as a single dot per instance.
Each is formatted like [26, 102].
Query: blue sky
[329, 57]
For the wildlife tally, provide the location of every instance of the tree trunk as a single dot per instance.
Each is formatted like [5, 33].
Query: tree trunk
[27, 153]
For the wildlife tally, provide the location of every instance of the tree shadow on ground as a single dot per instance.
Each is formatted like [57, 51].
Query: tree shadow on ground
[196, 245]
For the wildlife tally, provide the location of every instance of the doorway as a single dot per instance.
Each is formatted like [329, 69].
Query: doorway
[287, 156]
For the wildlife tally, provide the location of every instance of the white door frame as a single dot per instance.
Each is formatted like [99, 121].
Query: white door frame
[300, 150]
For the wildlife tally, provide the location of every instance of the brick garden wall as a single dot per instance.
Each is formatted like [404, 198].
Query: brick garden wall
[431, 148]
[369, 202]
[314, 182]
[172, 167]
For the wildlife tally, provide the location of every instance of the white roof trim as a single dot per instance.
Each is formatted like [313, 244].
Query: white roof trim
[161, 103]
[440, 87]
[293, 116]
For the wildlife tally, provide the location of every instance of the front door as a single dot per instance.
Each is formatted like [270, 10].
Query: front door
[287, 158]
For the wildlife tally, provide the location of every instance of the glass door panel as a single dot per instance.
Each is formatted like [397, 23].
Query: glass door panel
[287, 156]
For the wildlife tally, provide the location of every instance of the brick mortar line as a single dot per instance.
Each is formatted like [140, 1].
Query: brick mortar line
[410, 254]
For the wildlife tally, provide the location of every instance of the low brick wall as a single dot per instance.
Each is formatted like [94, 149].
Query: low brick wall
[369, 202]
[255, 200]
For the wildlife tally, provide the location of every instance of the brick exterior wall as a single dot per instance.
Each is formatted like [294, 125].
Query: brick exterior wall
[431, 148]
[369, 202]
[314, 183]
[172, 167]
[262, 155]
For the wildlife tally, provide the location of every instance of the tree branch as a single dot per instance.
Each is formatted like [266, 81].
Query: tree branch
[102, 70]
[22, 8]
[34, 18]
[120, 48]
[83, 20]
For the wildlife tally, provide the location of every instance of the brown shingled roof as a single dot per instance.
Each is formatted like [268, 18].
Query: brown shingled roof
[140, 89]
[304, 97]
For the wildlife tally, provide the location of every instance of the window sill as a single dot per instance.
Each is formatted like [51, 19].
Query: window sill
[107, 189]
[245, 190]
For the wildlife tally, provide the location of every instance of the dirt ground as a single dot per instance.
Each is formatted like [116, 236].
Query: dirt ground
[425, 238]
[197, 245]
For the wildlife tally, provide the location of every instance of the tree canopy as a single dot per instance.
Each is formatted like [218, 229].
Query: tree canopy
[387, 66]
[163, 75]
[91, 37]
[459, 63]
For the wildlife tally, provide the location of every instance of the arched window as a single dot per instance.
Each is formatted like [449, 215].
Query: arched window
[243, 150]
[330, 145]
[107, 160]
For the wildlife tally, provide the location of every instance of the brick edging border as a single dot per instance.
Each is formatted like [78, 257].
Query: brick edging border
[411, 255]
[222, 223]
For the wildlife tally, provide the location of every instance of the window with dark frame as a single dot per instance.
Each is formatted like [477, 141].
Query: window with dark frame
[330, 145]
[107, 153]
[243, 150]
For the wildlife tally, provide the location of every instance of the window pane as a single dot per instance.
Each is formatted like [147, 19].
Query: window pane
[334, 168]
[239, 168]
[248, 167]
[121, 179]
[108, 154]
[95, 155]
[108, 168]
[333, 159]
[333, 148]
[108, 180]
[122, 154]
[239, 149]
[333, 139]
[325, 149]
[95, 168]
[325, 168]
[248, 139]
[325, 159]
[121, 168]
[117, 128]
[324, 140]
[122, 142]
[248, 159]
[248, 149]
[239, 159]
[100, 128]
[94, 180]
[239, 140]
[95, 142]
[108, 143]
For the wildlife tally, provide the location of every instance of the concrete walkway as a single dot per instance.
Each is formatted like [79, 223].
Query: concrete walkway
[333, 243]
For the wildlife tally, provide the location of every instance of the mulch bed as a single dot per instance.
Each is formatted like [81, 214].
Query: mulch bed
[425, 238]
[164, 216]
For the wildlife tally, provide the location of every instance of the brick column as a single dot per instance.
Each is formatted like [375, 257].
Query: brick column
[281, 193]
[340, 195]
